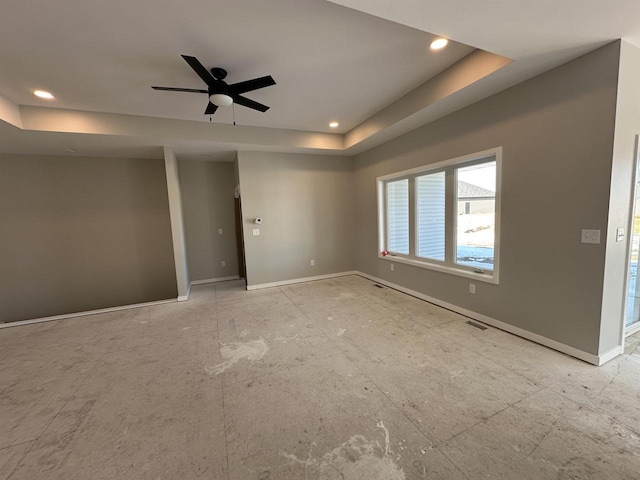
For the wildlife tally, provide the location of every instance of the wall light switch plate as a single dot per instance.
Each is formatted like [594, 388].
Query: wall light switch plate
[619, 234]
[219, 231]
[223, 263]
[313, 262]
[472, 288]
[590, 236]
[393, 267]
[256, 231]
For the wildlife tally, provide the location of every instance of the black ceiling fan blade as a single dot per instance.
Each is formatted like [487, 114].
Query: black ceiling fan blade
[211, 109]
[245, 102]
[176, 89]
[250, 85]
[202, 72]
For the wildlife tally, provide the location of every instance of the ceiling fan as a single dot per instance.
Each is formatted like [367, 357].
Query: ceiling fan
[220, 93]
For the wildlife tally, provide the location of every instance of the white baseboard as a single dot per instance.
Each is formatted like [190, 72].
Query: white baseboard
[534, 337]
[84, 314]
[184, 298]
[214, 280]
[300, 280]
[547, 342]
[610, 355]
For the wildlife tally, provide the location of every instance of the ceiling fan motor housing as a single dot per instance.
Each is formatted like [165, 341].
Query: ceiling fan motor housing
[219, 73]
[219, 86]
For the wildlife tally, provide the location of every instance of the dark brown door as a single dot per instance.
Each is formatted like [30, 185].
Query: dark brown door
[242, 272]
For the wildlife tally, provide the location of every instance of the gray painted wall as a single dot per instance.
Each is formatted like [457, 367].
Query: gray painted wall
[556, 131]
[306, 202]
[81, 234]
[208, 203]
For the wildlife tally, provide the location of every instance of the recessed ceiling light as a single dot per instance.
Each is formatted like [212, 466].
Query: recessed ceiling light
[43, 94]
[439, 43]
[334, 124]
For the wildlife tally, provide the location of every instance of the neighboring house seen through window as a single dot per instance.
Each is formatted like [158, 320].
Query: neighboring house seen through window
[444, 216]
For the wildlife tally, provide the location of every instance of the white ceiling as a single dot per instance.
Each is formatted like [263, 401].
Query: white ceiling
[537, 34]
[330, 62]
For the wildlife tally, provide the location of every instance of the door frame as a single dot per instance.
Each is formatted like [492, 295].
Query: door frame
[626, 331]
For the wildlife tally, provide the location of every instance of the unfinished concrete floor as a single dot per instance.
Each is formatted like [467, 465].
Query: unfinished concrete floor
[334, 379]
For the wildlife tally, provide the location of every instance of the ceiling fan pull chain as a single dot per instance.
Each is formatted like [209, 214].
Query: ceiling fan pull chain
[233, 108]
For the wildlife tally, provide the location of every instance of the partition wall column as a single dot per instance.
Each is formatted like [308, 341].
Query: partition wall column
[177, 223]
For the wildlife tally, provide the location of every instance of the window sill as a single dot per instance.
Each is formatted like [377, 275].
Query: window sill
[489, 277]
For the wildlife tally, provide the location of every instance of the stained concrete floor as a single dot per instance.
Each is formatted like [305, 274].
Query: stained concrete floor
[332, 379]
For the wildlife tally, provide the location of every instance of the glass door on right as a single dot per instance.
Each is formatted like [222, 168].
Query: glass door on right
[632, 316]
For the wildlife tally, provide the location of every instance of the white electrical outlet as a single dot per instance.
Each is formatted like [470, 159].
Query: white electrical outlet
[472, 288]
[223, 263]
[313, 262]
[393, 267]
[590, 236]
[219, 231]
[256, 231]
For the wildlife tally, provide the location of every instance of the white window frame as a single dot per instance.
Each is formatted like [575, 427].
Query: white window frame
[449, 265]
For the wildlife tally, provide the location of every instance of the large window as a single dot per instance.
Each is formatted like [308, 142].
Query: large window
[430, 211]
[398, 216]
[444, 216]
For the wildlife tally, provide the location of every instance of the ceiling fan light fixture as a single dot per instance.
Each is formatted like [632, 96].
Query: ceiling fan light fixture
[220, 99]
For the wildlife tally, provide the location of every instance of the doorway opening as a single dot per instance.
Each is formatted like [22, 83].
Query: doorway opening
[242, 269]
